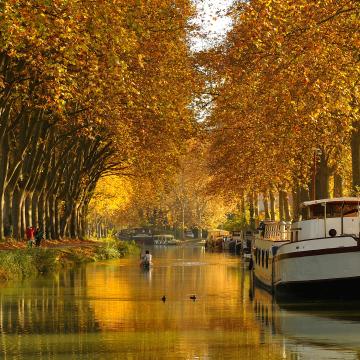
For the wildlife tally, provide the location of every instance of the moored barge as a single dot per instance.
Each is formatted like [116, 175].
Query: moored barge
[317, 256]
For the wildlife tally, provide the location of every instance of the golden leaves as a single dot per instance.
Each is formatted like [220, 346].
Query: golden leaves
[290, 72]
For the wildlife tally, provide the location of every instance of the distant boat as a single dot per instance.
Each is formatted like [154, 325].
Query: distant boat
[316, 256]
[165, 240]
[215, 239]
[143, 238]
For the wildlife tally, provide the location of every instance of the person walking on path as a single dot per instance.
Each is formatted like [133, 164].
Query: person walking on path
[39, 235]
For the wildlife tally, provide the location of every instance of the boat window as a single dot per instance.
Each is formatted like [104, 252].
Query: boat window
[351, 210]
[267, 259]
[346, 209]
[317, 211]
[305, 213]
[262, 258]
[333, 210]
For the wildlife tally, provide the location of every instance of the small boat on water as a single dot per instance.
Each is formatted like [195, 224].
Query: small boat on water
[319, 255]
[146, 265]
[165, 240]
[146, 260]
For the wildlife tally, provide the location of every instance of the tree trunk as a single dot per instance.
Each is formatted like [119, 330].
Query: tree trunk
[57, 219]
[296, 203]
[48, 221]
[7, 214]
[73, 224]
[16, 214]
[355, 157]
[281, 206]
[35, 210]
[4, 167]
[272, 205]
[286, 206]
[256, 210]
[338, 185]
[24, 225]
[65, 220]
[243, 210]
[28, 210]
[251, 211]
[304, 194]
[322, 178]
[52, 205]
[2, 214]
[266, 206]
[42, 212]
[98, 230]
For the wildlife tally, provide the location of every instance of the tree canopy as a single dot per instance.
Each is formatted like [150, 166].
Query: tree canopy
[87, 89]
[284, 83]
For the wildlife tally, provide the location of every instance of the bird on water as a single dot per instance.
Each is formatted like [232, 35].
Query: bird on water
[163, 299]
[193, 297]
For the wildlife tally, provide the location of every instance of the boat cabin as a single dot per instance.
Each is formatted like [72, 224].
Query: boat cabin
[216, 234]
[327, 218]
[163, 239]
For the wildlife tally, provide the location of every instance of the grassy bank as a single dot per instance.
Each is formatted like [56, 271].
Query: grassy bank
[22, 263]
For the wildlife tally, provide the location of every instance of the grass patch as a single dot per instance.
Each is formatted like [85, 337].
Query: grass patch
[113, 249]
[22, 263]
[25, 263]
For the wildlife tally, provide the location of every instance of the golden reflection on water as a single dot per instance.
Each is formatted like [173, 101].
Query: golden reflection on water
[113, 310]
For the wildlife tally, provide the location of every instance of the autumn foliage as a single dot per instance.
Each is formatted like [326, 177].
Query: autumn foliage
[87, 89]
[285, 91]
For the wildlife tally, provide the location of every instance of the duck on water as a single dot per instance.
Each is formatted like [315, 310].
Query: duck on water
[317, 256]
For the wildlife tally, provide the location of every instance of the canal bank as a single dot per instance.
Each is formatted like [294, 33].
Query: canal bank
[17, 260]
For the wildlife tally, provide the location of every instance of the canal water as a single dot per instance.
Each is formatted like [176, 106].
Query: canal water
[113, 310]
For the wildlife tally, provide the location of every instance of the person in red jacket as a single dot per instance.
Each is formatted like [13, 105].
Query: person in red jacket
[30, 232]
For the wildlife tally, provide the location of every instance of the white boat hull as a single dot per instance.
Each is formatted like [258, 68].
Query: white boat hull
[328, 266]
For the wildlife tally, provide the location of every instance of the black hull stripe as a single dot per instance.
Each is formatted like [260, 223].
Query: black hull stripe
[329, 251]
[343, 288]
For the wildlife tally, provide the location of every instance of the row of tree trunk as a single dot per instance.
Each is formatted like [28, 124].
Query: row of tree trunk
[49, 166]
[282, 206]
[318, 187]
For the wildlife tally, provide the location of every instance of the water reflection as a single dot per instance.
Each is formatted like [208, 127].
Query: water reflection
[113, 310]
[315, 330]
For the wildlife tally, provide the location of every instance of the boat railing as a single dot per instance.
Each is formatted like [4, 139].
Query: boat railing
[280, 231]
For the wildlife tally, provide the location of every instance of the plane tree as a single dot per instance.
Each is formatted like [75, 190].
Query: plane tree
[285, 88]
[86, 90]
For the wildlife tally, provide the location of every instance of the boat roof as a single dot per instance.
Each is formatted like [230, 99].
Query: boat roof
[334, 200]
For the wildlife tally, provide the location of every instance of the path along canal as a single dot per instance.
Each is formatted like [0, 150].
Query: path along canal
[113, 310]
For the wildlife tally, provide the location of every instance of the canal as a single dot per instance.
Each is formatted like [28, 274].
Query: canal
[113, 310]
